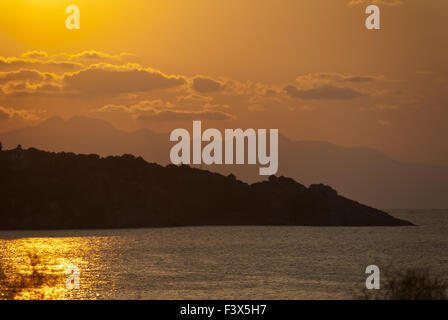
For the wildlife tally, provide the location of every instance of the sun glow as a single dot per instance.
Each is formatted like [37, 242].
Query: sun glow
[41, 24]
[36, 268]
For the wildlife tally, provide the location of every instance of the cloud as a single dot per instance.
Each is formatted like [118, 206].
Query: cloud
[13, 63]
[323, 92]
[357, 79]
[263, 95]
[194, 100]
[206, 85]
[106, 79]
[25, 75]
[326, 85]
[93, 56]
[165, 111]
[315, 79]
[20, 89]
[85, 57]
[174, 115]
[108, 85]
[15, 114]
[96, 80]
[142, 106]
[35, 54]
[61, 62]
[3, 114]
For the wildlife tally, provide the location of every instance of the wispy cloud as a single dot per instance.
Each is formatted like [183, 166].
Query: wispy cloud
[323, 92]
[20, 114]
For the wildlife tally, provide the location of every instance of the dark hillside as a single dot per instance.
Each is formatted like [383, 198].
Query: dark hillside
[42, 190]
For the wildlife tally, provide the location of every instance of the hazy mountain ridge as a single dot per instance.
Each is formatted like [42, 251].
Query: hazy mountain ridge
[360, 173]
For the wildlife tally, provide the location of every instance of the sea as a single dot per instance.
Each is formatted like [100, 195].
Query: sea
[223, 262]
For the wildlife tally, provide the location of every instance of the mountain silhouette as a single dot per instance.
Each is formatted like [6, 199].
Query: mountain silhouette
[359, 173]
[43, 190]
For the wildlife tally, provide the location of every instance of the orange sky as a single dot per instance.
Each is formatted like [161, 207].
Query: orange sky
[309, 68]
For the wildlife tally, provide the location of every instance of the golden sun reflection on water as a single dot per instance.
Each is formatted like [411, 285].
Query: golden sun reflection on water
[38, 267]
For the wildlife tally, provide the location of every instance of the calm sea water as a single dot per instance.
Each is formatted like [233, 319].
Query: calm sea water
[232, 262]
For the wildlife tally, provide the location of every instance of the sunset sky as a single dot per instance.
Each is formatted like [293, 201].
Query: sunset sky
[307, 67]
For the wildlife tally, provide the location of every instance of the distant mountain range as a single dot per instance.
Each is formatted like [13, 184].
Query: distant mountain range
[359, 173]
[43, 190]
